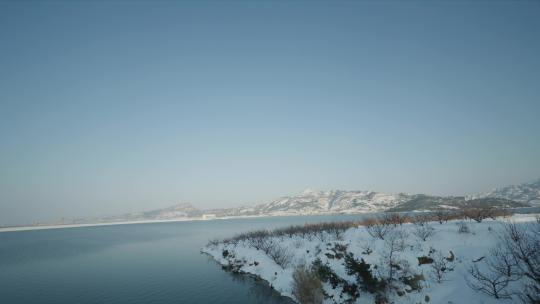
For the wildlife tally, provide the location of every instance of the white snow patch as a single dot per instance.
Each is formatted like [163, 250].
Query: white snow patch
[454, 289]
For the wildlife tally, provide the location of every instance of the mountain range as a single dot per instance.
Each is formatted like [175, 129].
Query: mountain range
[339, 201]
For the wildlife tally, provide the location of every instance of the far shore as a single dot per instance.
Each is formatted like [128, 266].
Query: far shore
[60, 226]
[524, 210]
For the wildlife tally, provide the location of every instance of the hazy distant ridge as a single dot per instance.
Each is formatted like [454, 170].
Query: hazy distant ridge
[527, 193]
[339, 201]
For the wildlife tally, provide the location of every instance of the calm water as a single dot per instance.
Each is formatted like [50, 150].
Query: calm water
[140, 263]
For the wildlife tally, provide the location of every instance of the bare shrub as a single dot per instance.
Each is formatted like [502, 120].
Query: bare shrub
[394, 244]
[500, 213]
[440, 215]
[319, 230]
[307, 287]
[522, 244]
[423, 231]
[478, 214]
[367, 247]
[516, 258]
[252, 238]
[421, 219]
[281, 255]
[494, 278]
[265, 240]
[260, 242]
[377, 228]
[213, 242]
[443, 216]
[337, 229]
[441, 265]
[395, 218]
[289, 231]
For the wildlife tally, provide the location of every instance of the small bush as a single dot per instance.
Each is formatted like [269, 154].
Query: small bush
[396, 218]
[413, 281]
[339, 250]
[307, 287]
[367, 248]
[362, 271]
[381, 299]
[423, 231]
[489, 282]
[443, 216]
[351, 290]
[478, 214]
[421, 219]
[377, 228]
[213, 242]
[394, 244]
[281, 255]
[326, 274]
[500, 213]
[441, 265]
[463, 227]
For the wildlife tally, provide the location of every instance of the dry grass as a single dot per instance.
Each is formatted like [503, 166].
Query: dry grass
[376, 226]
[307, 287]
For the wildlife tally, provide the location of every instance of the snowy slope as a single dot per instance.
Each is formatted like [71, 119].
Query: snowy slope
[528, 193]
[336, 201]
[465, 247]
[340, 201]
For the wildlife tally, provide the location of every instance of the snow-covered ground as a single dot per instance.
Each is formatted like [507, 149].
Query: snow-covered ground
[462, 249]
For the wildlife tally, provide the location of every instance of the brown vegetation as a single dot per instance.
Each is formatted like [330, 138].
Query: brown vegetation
[307, 287]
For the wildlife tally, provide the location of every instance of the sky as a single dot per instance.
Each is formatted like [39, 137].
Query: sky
[114, 107]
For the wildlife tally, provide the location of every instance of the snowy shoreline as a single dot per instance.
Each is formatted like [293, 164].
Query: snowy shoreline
[191, 219]
[60, 226]
[533, 210]
[463, 249]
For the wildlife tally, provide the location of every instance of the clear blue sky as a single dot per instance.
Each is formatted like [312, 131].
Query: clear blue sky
[111, 108]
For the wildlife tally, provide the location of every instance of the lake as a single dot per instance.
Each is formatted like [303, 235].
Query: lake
[136, 263]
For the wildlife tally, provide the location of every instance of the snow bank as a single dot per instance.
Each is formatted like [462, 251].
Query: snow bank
[464, 247]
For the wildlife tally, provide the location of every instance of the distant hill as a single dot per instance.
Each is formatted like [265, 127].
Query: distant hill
[429, 203]
[340, 201]
[336, 201]
[179, 211]
[526, 193]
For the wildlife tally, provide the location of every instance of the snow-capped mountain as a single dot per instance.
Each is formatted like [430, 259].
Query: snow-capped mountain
[312, 201]
[339, 201]
[336, 201]
[527, 193]
[179, 211]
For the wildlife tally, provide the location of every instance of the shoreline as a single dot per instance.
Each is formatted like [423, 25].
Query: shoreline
[60, 226]
[243, 258]
[65, 226]
[535, 209]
